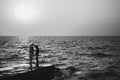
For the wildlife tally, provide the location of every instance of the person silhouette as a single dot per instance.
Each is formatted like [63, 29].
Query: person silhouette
[31, 52]
[37, 54]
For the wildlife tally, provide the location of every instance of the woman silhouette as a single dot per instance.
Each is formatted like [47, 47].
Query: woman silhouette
[37, 54]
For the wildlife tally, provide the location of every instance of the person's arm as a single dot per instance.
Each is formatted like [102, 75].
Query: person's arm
[34, 48]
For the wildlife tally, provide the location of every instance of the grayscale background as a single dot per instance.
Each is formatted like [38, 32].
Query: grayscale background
[80, 37]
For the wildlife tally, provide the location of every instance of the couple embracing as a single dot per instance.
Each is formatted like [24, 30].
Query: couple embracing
[33, 50]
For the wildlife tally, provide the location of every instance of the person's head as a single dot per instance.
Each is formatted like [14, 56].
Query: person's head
[36, 46]
[31, 43]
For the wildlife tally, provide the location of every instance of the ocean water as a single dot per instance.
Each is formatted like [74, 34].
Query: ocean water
[86, 54]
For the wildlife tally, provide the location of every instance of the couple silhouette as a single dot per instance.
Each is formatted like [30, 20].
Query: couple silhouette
[33, 50]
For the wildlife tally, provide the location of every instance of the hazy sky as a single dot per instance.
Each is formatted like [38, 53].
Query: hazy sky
[60, 17]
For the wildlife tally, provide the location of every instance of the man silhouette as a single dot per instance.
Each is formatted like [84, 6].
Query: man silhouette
[31, 52]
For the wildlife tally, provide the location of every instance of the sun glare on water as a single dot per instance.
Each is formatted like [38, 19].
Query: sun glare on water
[25, 11]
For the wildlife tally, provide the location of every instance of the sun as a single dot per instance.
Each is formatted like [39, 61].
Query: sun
[25, 11]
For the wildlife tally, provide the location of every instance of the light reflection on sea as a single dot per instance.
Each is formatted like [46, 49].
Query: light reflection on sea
[84, 53]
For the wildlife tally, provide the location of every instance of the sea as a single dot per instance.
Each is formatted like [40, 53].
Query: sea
[79, 57]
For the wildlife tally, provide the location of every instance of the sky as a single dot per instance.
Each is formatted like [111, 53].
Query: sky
[60, 17]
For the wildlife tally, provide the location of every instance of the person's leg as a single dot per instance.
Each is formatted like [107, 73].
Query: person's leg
[31, 58]
[37, 61]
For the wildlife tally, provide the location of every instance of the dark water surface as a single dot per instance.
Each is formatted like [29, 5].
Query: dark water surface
[79, 58]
